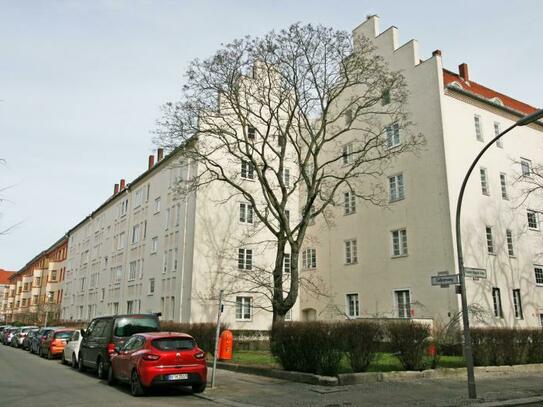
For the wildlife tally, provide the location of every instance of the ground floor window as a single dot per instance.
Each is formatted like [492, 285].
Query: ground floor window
[517, 302]
[497, 302]
[403, 303]
[243, 308]
[353, 305]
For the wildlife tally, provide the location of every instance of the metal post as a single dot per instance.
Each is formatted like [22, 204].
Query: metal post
[217, 332]
[468, 353]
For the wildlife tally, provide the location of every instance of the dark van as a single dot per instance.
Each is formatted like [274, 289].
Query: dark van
[105, 335]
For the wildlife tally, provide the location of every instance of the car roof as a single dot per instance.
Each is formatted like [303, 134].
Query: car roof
[128, 316]
[64, 330]
[160, 335]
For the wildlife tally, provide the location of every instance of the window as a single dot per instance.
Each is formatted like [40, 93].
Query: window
[353, 310]
[135, 234]
[103, 296]
[538, 270]
[118, 273]
[503, 184]
[403, 303]
[517, 303]
[385, 97]
[393, 135]
[309, 258]
[348, 117]
[132, 271]
[247, 170]
[151, 286]
[497, 130]
[510, 247]
[351, 255]
[243, 308]
[37, 281]
[138, 198]
[526, 167]
[177, 214]
[497, 301]
[286, 177]
[478, 128]
[157, 205]
[245, 213]
[130, 307]
[154, 244]
[167, 220]
[396, 188]
[123, 207]
[484, 181]
[245, 259]
[347, 155]
[286, 263]
[120, 241]
[251, 131]
[349, 203]
[399, 242]
[532, 219]
[489, 240]
[165, 262]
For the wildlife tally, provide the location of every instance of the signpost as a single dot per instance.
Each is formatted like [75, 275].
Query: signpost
[474, 272]
[446, 279]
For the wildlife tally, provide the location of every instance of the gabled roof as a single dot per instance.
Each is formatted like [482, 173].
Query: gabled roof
[469, 86]
[5, 275]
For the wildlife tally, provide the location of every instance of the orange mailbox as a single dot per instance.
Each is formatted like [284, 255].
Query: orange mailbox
[226, 344]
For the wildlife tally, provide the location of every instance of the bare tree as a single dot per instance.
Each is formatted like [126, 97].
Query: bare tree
[309, 113]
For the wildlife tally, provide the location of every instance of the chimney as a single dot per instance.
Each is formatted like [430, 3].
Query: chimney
[463, 70]
[159, 154]
[151, 161]
[123, 184]
[436, 53]
[116, 189]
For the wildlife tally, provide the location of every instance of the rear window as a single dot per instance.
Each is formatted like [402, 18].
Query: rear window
[129, 326]
[174, 343]
[64, 335]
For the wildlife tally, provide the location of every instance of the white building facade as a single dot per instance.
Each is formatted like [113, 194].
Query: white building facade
[377, 262]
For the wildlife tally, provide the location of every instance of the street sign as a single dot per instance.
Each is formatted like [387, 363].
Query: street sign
[474, 272]
[445, 280]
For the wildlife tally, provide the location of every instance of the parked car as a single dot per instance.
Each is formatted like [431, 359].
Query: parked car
[158, 359]
[3, 329]
[39, 338]
[53, 345]
[106, 334]
[12, 336]
[21, 335]
[71, 350]
[28, 338]
[7, 334]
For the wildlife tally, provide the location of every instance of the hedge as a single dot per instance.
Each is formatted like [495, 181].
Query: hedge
[409, 341]
[203, 333]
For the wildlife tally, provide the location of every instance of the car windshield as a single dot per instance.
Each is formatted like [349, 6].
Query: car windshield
[129, 326]
[174, 343]
[64, 335]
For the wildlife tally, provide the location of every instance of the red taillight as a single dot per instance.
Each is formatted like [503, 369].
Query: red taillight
[110, 348]
[199, 355]
[150, 356]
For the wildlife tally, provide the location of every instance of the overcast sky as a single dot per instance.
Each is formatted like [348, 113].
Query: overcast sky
[81, 83]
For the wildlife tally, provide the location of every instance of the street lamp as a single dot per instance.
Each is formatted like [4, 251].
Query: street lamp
[468, 354]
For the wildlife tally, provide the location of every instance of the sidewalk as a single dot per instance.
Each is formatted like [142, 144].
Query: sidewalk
[243, 390]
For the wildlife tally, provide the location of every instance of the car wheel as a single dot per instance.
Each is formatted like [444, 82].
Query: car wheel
[74, 361]
[49, 354]
[135, 385]
[110, 377]
[80, 365]
[198, 388]
[63, 359]
[40, 353]
[101, 369]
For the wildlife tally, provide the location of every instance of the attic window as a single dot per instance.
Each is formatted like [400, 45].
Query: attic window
[497, 101]
[456, 84]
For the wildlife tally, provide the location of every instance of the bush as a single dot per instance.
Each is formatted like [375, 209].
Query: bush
[311, 347]
[408, 341]
[535, 349]
[360, 340]
[203, 333]
[505, 346]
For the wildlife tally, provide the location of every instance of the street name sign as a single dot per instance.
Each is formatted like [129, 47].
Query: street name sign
[445, 280]
[474, 272]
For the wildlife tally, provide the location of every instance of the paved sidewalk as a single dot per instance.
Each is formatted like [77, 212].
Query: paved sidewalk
[243, 390]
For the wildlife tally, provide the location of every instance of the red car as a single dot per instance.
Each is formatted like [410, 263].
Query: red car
[159, 358]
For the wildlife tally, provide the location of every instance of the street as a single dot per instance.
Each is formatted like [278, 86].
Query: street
[27, 380]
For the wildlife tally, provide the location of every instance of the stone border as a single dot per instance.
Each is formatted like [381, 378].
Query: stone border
[345, 379]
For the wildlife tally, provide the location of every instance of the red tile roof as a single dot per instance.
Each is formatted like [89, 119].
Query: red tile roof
[482, 91]
[4, 276]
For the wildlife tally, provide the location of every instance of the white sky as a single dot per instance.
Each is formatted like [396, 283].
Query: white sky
[81, 83]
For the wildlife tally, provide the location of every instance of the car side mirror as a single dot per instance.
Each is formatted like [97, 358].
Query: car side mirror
[83, 333]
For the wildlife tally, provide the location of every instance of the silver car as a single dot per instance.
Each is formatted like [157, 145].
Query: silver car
[21, 335]
[71, 350]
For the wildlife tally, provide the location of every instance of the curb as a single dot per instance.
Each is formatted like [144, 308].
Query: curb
[513, 402]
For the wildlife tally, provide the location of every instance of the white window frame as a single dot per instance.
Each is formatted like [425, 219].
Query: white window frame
[478, 125]
[138, 198]
[399, 242]
[526, 167]
[157, 205]
[247, 170]
[517, 304]
[285, 176]
[497, 306]
[287, 263]
[538, 269]
[349, 203]
[490, 243]
[510, 243]
[245, 259]
[246, 215]
[151, 286]
[497, 130]
[154, 245]
[309, 258]
[245, 307]
[132, 270]
[347, 153]
[136, 233]
[351, 251]
[393, 135]
[503, 186]
[355, 305]
[396, 187]
[535, 219]
[405, 311]
[485, 188]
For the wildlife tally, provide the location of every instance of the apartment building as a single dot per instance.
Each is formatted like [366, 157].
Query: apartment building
[148, 248]
[4, 290]
[377, 262]
[33, 294]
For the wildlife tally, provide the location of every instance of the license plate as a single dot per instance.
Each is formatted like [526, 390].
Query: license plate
[183, 376]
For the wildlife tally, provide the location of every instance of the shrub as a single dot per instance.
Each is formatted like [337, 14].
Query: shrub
[360, 340]
[311, 347]
[408, 341]
[535, 349]
[203, 333]
[504, 346]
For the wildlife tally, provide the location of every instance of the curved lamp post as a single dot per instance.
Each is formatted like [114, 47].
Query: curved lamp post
[468, 354]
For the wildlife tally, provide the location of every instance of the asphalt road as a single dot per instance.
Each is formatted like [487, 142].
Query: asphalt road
[28, 380]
